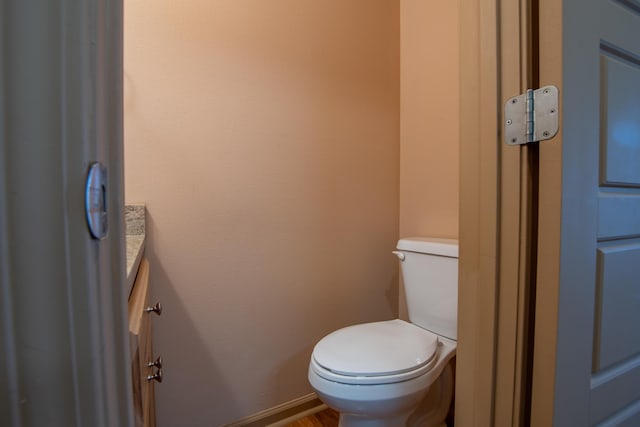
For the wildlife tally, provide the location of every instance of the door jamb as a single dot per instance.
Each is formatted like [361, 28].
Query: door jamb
[546, 330]
[496, 224]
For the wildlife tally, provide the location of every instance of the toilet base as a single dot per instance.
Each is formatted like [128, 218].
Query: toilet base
[431, 412]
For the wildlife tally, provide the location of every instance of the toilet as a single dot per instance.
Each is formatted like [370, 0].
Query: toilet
[395, 373]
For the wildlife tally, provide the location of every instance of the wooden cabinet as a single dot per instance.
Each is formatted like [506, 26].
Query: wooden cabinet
[146, 369]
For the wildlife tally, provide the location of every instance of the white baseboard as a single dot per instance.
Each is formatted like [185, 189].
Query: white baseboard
[284, 414]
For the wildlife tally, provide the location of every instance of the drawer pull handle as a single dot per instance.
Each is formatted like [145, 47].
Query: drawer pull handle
[157, 309]
[157, 376]
[157, 363]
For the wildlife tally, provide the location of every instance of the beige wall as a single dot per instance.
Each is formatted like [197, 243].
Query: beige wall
[428, 120]
[264, 138]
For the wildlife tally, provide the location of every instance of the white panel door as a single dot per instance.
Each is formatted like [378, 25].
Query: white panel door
[595, 364]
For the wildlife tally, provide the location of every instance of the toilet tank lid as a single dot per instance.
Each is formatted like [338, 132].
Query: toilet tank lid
[430, 245]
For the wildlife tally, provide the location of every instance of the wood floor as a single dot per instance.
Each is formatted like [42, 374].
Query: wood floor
[329, 418]
[326, 418]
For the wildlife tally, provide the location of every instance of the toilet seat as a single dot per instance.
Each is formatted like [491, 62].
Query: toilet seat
[375, 353]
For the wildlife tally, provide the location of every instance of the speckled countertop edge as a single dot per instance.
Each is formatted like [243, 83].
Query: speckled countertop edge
[135, 237]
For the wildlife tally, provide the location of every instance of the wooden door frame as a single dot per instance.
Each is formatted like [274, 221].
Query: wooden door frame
[497, 217]
[546, 328]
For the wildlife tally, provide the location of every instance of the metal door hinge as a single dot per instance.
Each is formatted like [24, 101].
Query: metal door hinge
[532, 116]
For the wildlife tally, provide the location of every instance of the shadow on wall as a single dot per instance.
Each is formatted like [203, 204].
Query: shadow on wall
[190, 370]
[393, 293]
[196, 389]
[283, 379]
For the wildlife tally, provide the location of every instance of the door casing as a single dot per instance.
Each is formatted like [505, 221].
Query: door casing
[497, 218]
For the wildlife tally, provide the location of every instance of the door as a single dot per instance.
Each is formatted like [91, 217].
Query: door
[63, 329]
[587, 327]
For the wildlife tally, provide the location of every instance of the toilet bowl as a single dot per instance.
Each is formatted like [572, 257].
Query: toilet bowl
[396, 373]
[383, 391]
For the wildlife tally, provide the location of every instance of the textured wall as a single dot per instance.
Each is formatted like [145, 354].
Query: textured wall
[429, 119]
[264, 138]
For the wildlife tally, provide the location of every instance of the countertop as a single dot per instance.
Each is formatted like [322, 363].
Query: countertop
[134, 216]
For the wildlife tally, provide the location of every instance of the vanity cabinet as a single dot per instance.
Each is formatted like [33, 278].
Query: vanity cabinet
[146, 368]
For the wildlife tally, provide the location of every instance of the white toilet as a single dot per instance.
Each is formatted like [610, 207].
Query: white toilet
[394, 373]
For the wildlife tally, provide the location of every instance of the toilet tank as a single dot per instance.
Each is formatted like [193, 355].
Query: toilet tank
[430, 275]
